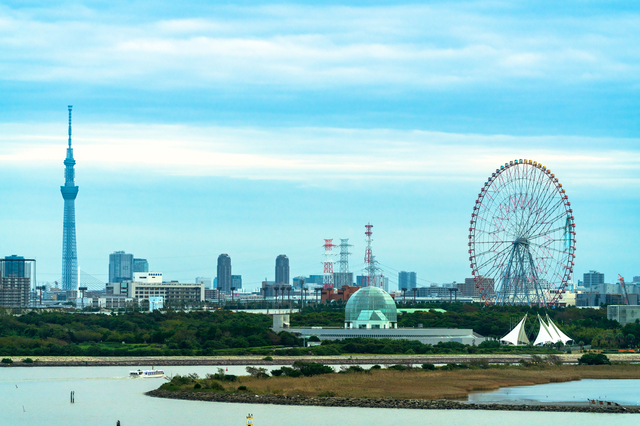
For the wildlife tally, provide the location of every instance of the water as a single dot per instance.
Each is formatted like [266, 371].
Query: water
[626, 392]
[104, 395]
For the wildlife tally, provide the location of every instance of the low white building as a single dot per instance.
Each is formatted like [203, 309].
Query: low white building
[111, 302]
[149, 284]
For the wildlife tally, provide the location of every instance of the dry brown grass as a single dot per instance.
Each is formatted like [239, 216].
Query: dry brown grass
[436, 384]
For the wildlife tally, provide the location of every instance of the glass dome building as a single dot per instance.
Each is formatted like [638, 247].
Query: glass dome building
[370, 307]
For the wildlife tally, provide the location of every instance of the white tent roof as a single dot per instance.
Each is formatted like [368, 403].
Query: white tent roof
[517, 336]
[545, 335]
[561, 336]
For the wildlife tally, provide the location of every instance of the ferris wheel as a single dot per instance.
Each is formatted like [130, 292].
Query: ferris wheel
[522, 238]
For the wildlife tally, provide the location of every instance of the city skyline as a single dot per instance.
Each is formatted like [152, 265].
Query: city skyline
[311, 126]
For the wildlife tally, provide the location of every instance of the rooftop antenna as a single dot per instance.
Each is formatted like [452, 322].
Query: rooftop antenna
[70, 107]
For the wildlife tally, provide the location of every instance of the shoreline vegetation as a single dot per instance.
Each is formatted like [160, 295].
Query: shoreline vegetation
[158, 361]
[397, 386]
[222, 332]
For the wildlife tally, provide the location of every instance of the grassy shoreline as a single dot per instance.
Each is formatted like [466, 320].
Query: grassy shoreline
[410, 384]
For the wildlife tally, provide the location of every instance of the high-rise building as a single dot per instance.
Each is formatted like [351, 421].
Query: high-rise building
[140, 265]
[224, 273]
[413, 278]
[208, 282]
[592, 278]
[636, 279]
[69, 193]
[407, 280]
[236, 282]
[314, 279]
[15, 282]
[120, 267]
[282, 269]
[14, 266]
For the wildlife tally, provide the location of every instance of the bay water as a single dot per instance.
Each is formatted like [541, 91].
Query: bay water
[104, 395]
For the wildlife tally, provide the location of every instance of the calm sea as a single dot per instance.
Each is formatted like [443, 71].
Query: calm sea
[104, 395]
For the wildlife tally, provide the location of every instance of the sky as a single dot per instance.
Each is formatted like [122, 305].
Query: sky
[258, 129]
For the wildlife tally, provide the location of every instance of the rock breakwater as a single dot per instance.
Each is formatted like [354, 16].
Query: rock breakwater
[415, 404]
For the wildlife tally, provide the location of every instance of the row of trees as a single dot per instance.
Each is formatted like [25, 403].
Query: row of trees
[226, 332]
[172, 333]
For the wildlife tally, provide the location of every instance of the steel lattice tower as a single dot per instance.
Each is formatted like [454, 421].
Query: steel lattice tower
[69, 192]
[327, 281]
[344, 255]
[369, 262]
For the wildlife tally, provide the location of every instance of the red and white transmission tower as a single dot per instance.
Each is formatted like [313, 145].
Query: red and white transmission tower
[327, 281]
[369, 261]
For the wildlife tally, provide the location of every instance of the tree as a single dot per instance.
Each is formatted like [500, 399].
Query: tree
[631, 339]
[594, 359]
[620, 340]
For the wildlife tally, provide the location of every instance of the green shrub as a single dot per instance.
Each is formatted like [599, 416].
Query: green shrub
[479, 363]
[594, 359]
[454, 366]
[215, 386]
[294, 373]
[242, 388]
[7, 361]
[27, 361]
[399, 367]
[197, 386]
[179, 380]
[352, 369]
[267, 358]
[312, 368]
[489, 344]
[428, 366]
[277, 372]
[375, 367]
[327, 394]
[258, 372]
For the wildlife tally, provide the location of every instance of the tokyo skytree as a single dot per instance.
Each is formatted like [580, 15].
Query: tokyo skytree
[69, 192]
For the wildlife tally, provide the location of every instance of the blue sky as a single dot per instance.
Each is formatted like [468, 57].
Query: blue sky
[256, 128]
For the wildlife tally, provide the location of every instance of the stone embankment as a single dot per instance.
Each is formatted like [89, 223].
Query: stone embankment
[70, 361]
[415, 404]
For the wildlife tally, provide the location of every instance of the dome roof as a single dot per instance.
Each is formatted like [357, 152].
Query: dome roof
[370, 299]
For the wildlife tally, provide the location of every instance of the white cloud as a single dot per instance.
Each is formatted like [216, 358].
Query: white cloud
[320, 156]
[414, 46]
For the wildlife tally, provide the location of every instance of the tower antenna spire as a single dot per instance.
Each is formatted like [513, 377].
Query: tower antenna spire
[70, 107]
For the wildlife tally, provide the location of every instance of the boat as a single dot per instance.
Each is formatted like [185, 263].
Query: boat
[146, 373]
[250, 420]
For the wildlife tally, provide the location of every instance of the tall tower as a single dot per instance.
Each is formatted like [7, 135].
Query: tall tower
[344, 255]
[327, 281]
[343, 276]
[69, 192]
[369, 260]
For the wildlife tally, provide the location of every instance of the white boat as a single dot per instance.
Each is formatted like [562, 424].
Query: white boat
[146, 373]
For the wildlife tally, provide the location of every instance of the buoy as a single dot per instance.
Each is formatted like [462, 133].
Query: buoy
[249, 419]
[227, 369]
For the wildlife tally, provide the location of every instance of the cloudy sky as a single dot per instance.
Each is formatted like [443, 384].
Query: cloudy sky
[256, 128]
